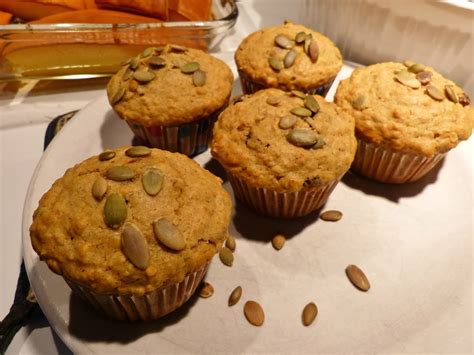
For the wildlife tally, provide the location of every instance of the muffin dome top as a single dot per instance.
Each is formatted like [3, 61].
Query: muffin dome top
[80, 234]
[306, 153]
[170, 86]
[394, 109]
[274, 43]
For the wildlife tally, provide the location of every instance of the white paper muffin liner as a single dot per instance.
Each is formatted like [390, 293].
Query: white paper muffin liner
[271, 203]
[390, 166]
[249, 86]
[150, 306]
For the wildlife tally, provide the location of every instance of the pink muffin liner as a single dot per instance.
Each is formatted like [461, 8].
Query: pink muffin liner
[250, 86]
[282, 205]
[150, 306]
[390, 166]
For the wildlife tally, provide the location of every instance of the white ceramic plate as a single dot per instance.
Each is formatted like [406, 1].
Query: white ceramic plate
[414, 242]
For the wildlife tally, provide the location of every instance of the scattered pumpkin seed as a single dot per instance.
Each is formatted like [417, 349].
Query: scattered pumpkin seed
[300, 37]
[313, 51]
[138, 151]
[177, 48]
[287, 121]
[289, 59]
[134, 63]
[152, 181]
[464, 99]
[302, 137]
[319, 144]
[275, 63]
[99, 188]
[144, 76]
[115, 210]
[190, 67]
[283, 42]
[126, 62]
[120, 173]
[235, 296]
[434, 93]
[118, 95]
[147, 52]
[331, 216]
[157, 61]
[301, 112]
[168, 234]
[450, 94]
[307, 42]
[407, 79]
[254, 313]
[107, 155]
[159, 49]
[408, 63]
[273, 100]
[310, 312]
[128, 73]
[357, 277]
[424, 77]
[359, 102]
[416, 68]
[199, 78]
[226, 256]
[206, 290]
[311, 104]
[135, 246]
[230, 243]
[278, 241]
[299, 94]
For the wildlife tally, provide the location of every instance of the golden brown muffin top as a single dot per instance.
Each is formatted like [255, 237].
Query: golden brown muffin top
[255, 52]
[410, 117]
[70, 231]
[249, 141]
[161, 87]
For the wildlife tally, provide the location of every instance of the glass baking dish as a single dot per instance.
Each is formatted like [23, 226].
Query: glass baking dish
[77, 51]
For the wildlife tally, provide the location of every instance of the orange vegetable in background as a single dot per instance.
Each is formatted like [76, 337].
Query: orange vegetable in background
[5, 18]
[194, 10]
[30, 10]
[71, 4]
[95, 16]
[155, 8]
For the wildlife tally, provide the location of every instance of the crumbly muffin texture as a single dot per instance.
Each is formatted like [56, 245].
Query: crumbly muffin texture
[69, 232]
[171, 97]
[391, 114]
[249, 142]
[252, 58]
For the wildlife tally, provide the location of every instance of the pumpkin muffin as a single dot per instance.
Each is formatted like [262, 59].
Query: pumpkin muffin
[132, 230]
[170, 96]
[284, 152]
[288, 57]
[408, 116]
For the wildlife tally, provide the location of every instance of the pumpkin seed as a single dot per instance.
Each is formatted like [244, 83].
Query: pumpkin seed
[135, 246]
[407, 79]
[319, 144]
[107, 155]
[408, 63]
[278, 241]
[157, 61]
[206, 290]
[273, 100]
[168, 234]
[307, 42]
[311, 104]
[230, 243]
[144, 76]
[159, 49]
[115, 210]
[127, 74]
[300, 37]
[134, 63]
[235, 296]
[434, 93]
[450, 94]
[99, 188]
[120, 173]
[357, 277]
[289, 59]
[275, 63]
[310, 312]
[190, 67]
[416, 68]
[254, 313]
[126, 62]
[118, 96]
[302, 137]
[424, 77]
[313, 51]
[299, 94]
[138, 151]
[464, 100]
[199, 78]
[283, 42]
[226, 256]
[301, 112]
[331, 216]
[177, 48]
[147, 52]
[287, 122]
[152, 181]
[359, 102]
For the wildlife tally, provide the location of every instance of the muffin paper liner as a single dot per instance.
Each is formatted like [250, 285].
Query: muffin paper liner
[150, 306]
[283, 205]
[390, 166]
[249, 86]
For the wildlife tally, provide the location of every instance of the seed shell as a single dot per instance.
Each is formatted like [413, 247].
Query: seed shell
[138, 151]
[299, 94]
[127, 74]
[144, 76]
[289, 59]
[464, 100]
[307, 42]
[311, 104]
[301, 112]
[275, 63]
[407, 79]
[135, 246]
[434, 93]
[157, 61]
[357, 277]
[273, 100]
[118, 96]
[177, 48]
[235, 296]
[206, 290]
[115, 210]
[287, 122]
[190, 67]
[310, 312]
[120, 173]
[450, 94]
[107, 155]
[152, 181]
[226, 256]
[302, 137]
[424, 77]
[199, 78]
[99, 188]
[134, 63]
[300, 37]
[408, 63]
[331, 216]
[254, 313]
[278, 241]
[230, 243]
[283, 42]
[313, 51]
[416, 68]
[147, 52]
[168, 234]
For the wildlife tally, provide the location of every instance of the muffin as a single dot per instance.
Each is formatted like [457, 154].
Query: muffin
[284, 152]
[289, 57]
[408, 116]
[170, 96]
[132, 230]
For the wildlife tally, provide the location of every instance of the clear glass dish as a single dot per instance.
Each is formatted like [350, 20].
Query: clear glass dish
[73, 51]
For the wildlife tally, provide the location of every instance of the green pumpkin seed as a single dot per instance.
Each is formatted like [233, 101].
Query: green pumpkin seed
[424, 77]
[177, 48]
[300, 37]
[275, 63]
[407, 79]
[359, 102]
[199, 78]
[206, 290]
[307, 42]
[287, 122]
[299, 94]
[301, 112]
[134, 63]
[107, 155]
[118, 96]
[416, 68]
[138, 151]
[331, 216]
[230, 243]
[273, 100]
[235, 296]
[144, 76]
[127, 74]
[120, 173]
[168, 234]
[313, 51]
[226, 256]
[311, 104]
[302, 137]
[357, 277]
[152, 181]
[319, 144]
[408, 63]
[126, 62]
[157, 61]
[147, 52]
[310, 312]
[289, 59]
[99, 188]
[283, 42]
[278, 241]
[254, 313]
[135, 246]
[450, 94]
[434, 93]
[190, 67]
[115, 210]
